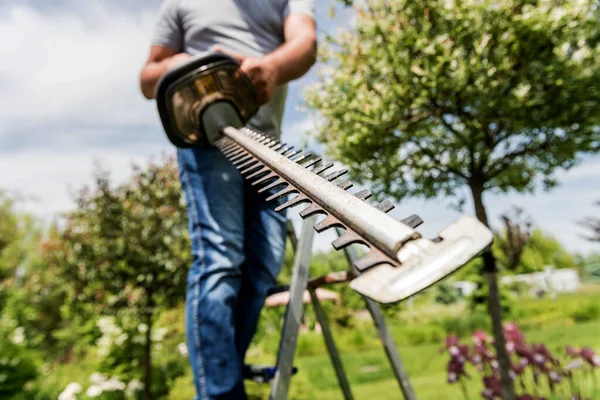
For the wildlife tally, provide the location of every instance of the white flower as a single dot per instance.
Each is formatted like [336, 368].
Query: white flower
[522, 90]
[159, 334]
[97, 378]
[121, 339]
[143, 328]
[18, 336]
[70, 392]
[183, 350]
[135, 385]
[113, 384]
[94, 391]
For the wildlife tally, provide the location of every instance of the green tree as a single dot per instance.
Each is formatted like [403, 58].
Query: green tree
[427, 98]
[10, 252]
[126, 249]
[544, 250]
[592, 225]
[513, 240]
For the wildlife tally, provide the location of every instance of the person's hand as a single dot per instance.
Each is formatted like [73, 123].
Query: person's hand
[176, 60]
[263, 76]
[261, 73]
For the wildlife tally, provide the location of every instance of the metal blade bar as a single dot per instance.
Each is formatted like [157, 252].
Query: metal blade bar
[375, 226]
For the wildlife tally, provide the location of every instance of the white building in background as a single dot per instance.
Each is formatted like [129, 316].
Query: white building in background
[549, 280]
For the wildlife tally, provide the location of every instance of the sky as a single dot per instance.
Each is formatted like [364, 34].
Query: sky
[69, 100]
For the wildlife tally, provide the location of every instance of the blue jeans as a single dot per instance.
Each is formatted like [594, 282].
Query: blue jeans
[238, 244]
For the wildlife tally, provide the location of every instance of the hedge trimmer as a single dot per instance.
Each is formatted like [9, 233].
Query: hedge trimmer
[207, 101]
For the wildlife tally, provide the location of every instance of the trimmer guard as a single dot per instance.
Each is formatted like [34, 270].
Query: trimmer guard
[196, 99]
[424, 262]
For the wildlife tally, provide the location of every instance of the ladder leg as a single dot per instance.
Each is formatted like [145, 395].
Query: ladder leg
[331, 347]
[293, 316]
[384, 334]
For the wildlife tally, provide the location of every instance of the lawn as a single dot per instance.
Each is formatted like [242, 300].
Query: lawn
[371, 377]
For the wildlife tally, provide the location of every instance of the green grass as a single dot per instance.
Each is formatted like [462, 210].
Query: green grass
[371, 377]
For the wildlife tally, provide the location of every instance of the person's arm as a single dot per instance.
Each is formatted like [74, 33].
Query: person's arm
[167, 46]
[299, 52]
[159, 61]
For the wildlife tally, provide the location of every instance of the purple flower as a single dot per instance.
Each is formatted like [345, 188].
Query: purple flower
[479, 337]
[589, 356]
[452, 341]
[513, 333]
[491, 386]
[554, 376]
[571, 351]
[452, 377]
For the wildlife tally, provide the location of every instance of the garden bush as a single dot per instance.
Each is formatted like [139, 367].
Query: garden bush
[17, 370]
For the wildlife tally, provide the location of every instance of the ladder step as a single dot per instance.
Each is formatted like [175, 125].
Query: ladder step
[328, 279]
[262, 373]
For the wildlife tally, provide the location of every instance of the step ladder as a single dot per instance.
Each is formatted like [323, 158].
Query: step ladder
[280, 375]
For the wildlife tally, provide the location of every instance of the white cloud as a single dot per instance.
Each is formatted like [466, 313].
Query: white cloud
[64, 69]
[47, 178]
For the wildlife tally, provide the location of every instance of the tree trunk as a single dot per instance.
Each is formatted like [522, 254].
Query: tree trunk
[148, 351]
[491, 274]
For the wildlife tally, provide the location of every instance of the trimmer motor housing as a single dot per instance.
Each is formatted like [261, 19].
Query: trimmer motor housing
[201, 96]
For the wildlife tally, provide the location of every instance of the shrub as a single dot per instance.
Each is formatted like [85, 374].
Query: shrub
[588, 312]
[16, 369]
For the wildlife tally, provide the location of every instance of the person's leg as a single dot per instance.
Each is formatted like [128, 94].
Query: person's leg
[214, 192]
[264, 247]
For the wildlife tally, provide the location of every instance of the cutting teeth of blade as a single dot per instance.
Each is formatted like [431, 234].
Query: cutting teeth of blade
[278, 147]
[240, 155]
[273, 185]
[363, 194]
[285, 149]
[293, 153]
[252, 168]
[312, 162]
[264, 179]
[244, 165]
[262, 170]
[226, 146]
[234, 151]
[283, 192]
[313, 209]
[293, 202]
[385, 206]
[348, 238]
[345, 185]
[336, 174]
[243, 160]
[303, 157]
[328, 222]
[373, 258]
[262, 138]
[413, 221]
[323, 168]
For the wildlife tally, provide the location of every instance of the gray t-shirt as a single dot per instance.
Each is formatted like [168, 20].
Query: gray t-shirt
[249, 27]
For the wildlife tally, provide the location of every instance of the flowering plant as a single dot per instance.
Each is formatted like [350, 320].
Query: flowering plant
[538, 374]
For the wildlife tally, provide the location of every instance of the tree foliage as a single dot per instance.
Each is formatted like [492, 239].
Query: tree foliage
[592, 225]
[124, 250]
[517, 231]
[424, 97]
